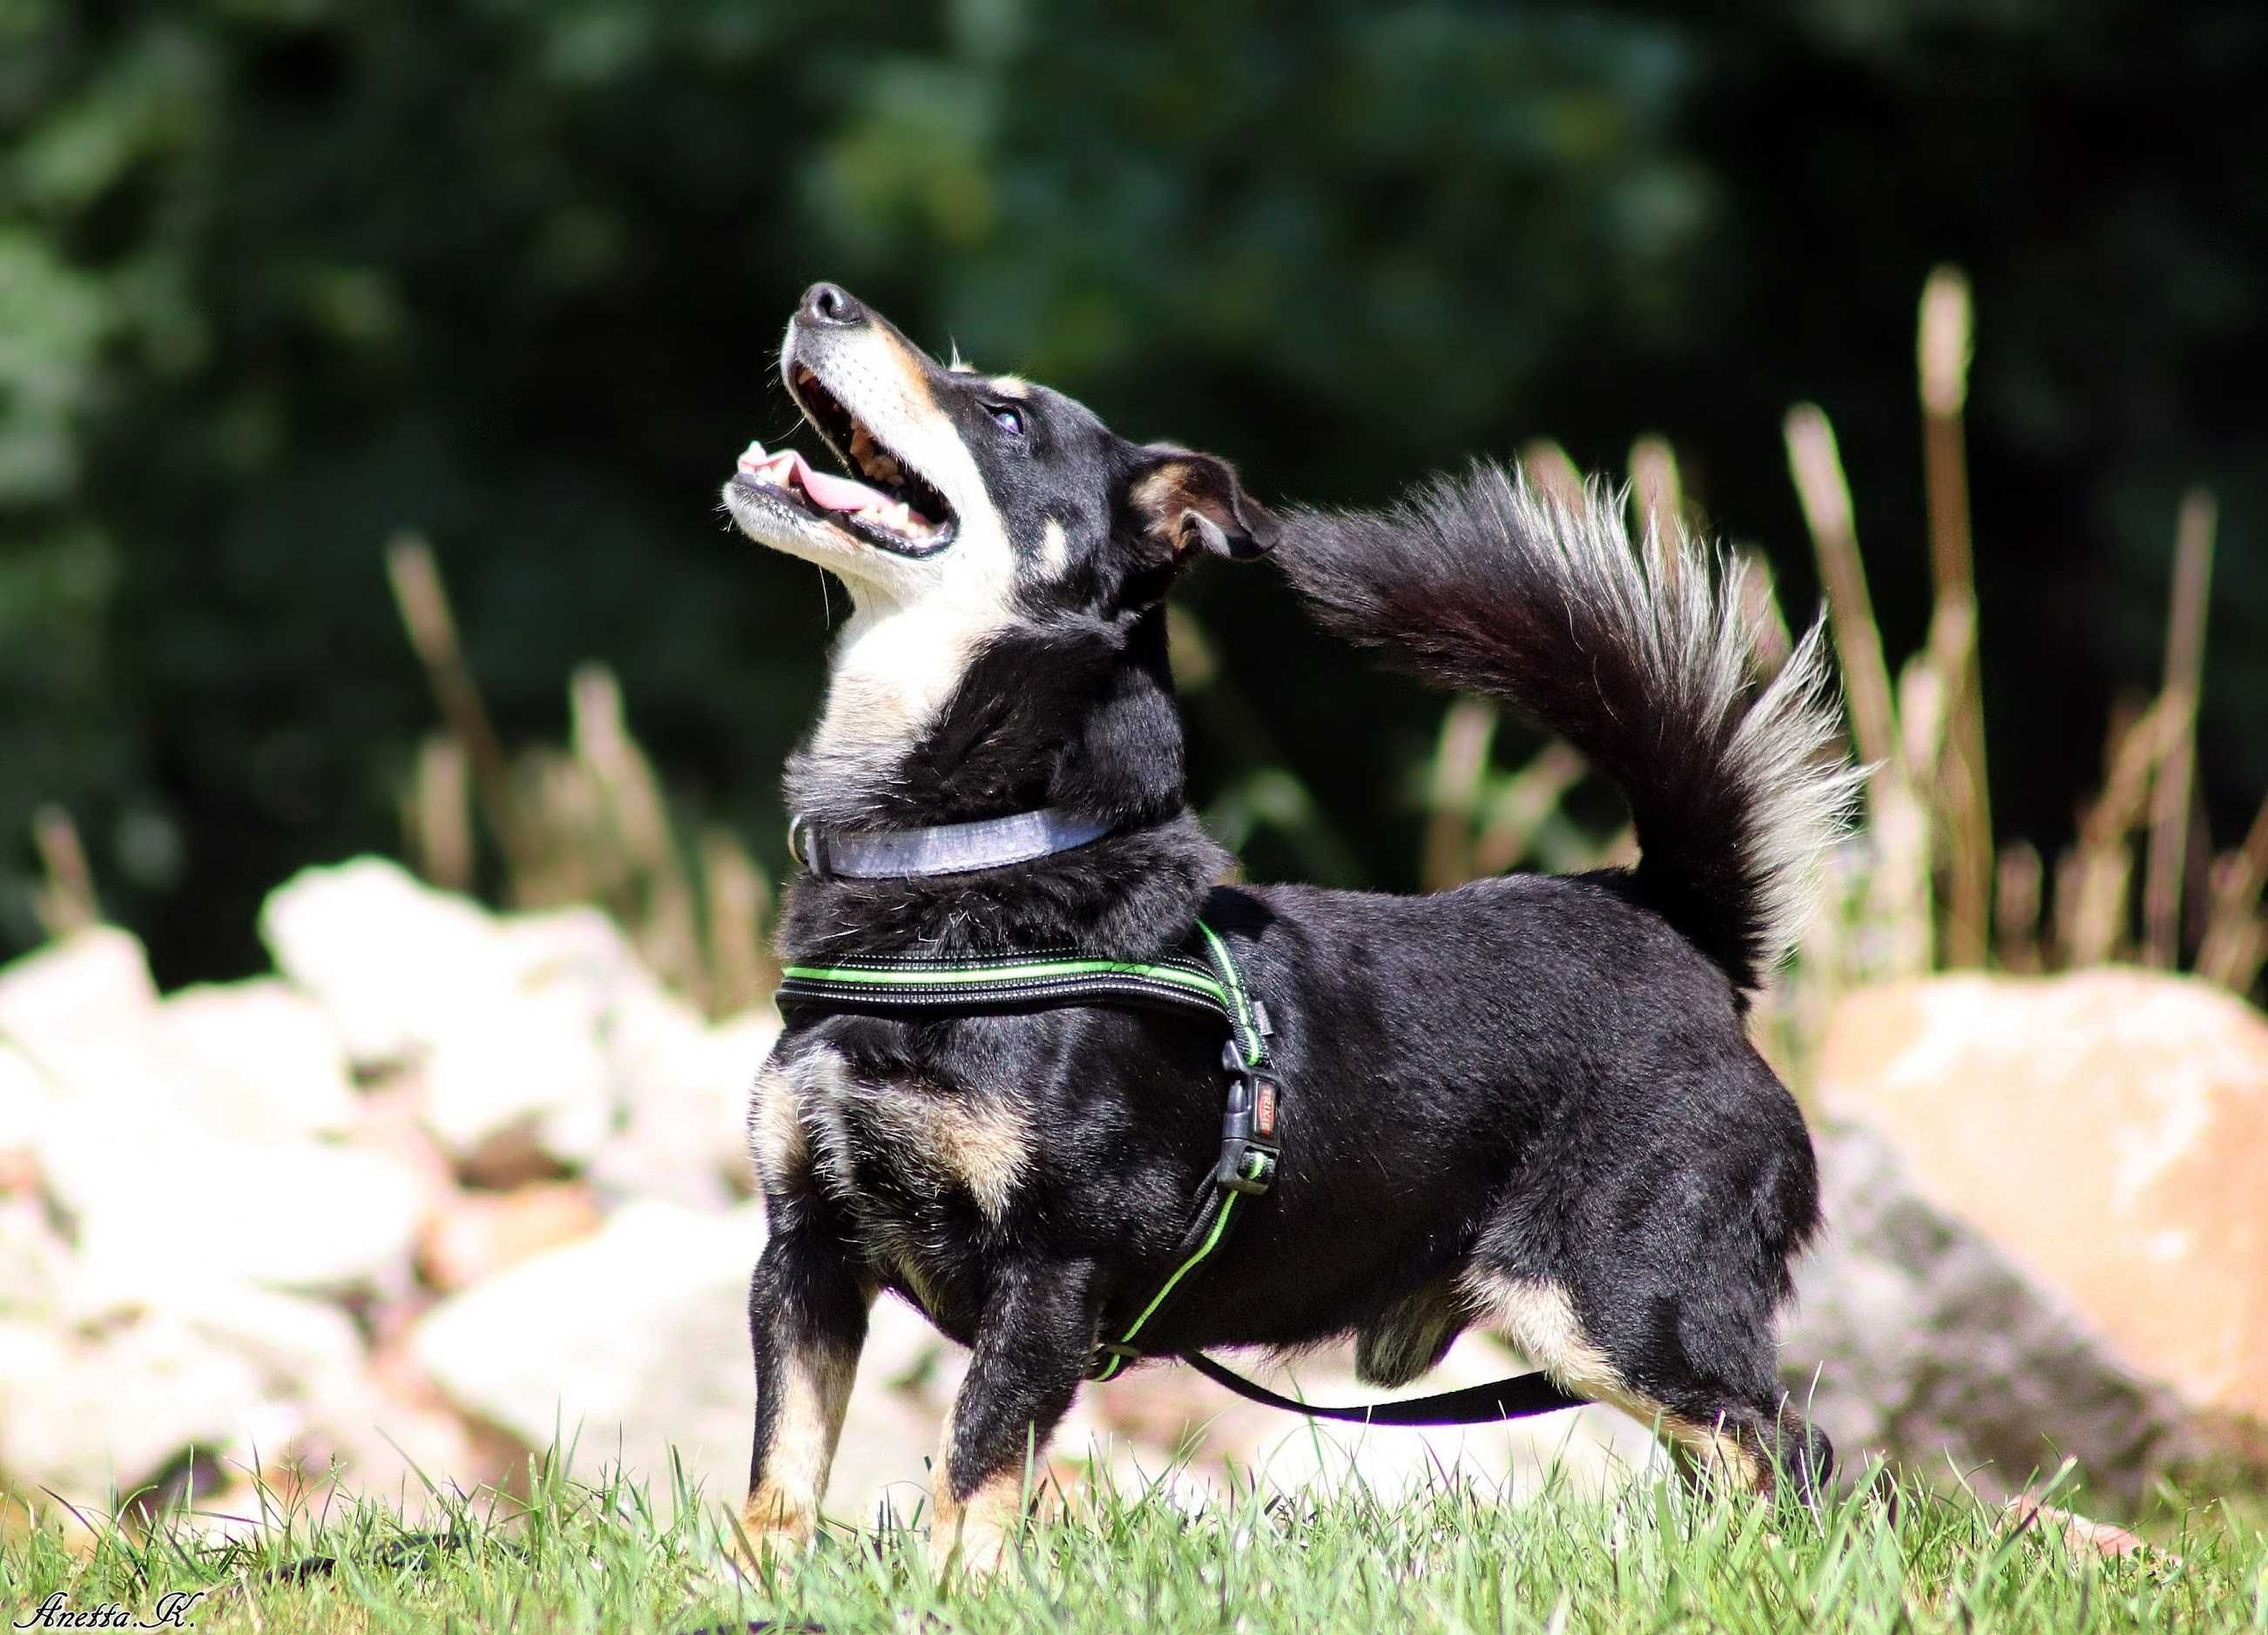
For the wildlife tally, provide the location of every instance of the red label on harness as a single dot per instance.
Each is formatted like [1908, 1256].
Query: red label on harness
[1264, 1110]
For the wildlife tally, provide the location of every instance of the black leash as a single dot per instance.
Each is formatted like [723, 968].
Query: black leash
[1207, 981]
[1518, 1397]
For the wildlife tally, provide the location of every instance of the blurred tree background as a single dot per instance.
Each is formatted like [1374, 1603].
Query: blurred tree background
[280, 278]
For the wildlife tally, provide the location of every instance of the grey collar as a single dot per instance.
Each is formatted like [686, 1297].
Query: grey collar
[944, 849]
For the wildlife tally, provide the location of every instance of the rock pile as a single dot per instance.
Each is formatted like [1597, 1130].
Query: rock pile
[230, 1218]
[449, 1186]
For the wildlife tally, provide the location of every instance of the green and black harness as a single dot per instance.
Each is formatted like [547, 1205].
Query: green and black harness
[1202, 979]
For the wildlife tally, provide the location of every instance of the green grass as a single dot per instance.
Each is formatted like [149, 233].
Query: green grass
[1663, 1557]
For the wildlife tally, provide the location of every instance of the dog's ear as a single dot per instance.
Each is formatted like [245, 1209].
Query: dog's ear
[1187, 501]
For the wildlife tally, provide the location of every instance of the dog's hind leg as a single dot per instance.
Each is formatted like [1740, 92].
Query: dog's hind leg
[1033, 1344]
[1730, 1418]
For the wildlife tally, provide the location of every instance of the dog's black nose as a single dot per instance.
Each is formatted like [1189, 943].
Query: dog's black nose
[831, 304]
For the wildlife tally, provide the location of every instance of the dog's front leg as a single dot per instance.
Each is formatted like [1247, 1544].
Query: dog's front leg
[1032, 1349]
[807, 1319]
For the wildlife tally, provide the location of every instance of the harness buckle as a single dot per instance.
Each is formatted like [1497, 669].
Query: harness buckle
[1111, 1358]
[807, 846]
[1248, 1146]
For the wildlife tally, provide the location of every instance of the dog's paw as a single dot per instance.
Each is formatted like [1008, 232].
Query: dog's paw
[976, 1552]
[768, 1535]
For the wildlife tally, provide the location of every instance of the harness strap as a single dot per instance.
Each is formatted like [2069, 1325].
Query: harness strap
[1250, 1151]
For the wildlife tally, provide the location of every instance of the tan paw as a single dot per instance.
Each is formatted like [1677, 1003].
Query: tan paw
[769, 1533]
[975, 1536]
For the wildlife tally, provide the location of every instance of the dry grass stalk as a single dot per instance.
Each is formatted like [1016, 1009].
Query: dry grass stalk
[2230, 952]
[1550, 472]
[2170, 806]
[664, 925]
[424, 603]
[1453, 792]
[742, 972]
[1657, 494]
[1943, 347]
[1521, 805]
[2092, 891]
[438, 815]
[66, 899]
[1770, 644]
[1944, 343]
[1900, 891]
[1820, 485]
[2016, 907]
[1898, 895]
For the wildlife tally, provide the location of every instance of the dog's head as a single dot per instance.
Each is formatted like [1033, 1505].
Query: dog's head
[981, 490]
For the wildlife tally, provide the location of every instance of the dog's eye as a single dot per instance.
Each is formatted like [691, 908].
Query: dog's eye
[1007, 416]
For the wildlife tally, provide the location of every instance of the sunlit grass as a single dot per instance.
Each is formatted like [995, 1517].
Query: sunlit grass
[1456, 1558]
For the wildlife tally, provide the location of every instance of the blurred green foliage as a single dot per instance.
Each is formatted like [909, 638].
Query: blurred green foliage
[279, 278]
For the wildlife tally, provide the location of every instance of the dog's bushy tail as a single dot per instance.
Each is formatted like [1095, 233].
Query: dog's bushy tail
[1638, 656]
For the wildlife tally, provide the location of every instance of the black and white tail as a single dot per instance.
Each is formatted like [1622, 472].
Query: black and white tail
[1638, 656]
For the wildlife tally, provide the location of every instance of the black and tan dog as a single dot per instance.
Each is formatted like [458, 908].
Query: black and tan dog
[1529, 1104]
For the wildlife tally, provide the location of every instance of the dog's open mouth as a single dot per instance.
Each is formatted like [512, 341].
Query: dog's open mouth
[894, 510]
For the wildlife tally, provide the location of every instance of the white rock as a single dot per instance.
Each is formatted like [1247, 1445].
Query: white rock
[276, 1065]
[35, 1264]
[90, 981]
[1913, 1335]
[79, 1010]
[2104, 1128]
[120, 1388]
[395, 964]
[635, 1342]
[25, 1091]
[82, 1417]
[577, 944]
[530, 1070]
[681, 1131]
[157, 1198]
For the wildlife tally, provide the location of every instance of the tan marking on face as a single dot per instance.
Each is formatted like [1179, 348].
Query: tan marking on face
[1012, 386]
[916, 623]
[815, 1396]
[1055, 548]
[776, 1130]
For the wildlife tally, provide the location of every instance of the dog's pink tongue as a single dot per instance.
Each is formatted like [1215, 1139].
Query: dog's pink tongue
[836, 493]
